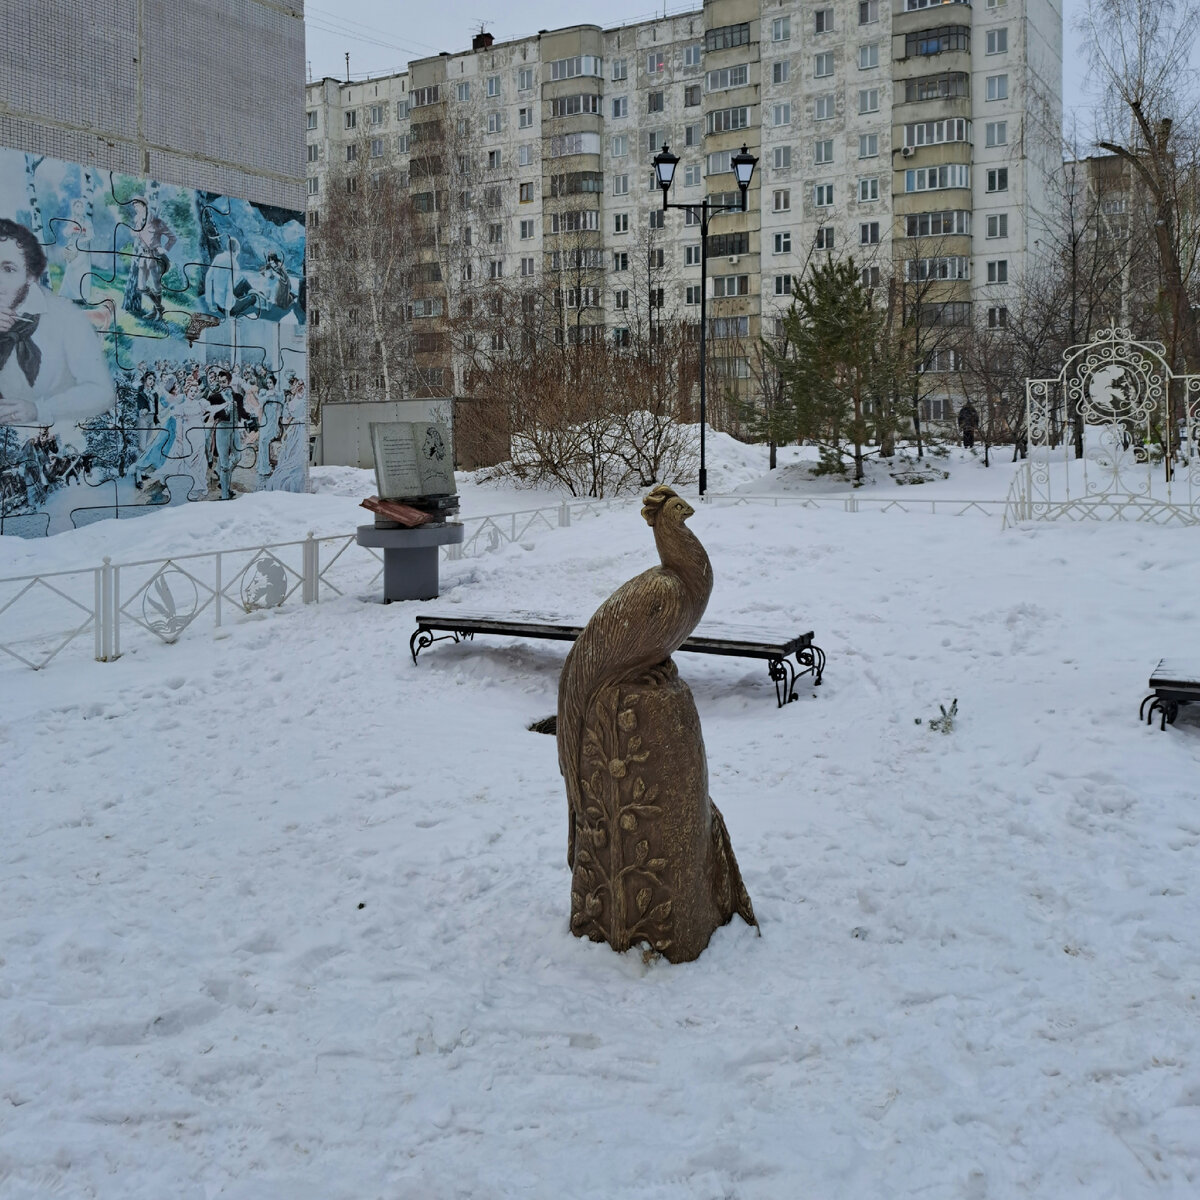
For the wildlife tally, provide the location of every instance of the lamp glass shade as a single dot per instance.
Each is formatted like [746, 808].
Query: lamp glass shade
[743, 164]
[664, 167]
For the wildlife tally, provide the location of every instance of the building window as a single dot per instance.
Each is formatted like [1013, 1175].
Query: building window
[495, 234]
[620, 185]
[377, 147]
[997, 87]
[781, 29]
[938, 224]
[825, 107]
[654, 102]
[401, 110]
[692, 176]
[526, 230]
[524, 155]
[934, 133]
[494, 122]
[781, 114]
[782, 200]
[823, 151]
[824, 238]
[657, 218]
[691, 256]
[620, 106]
[656, 62]
[823, 20]
[725, 286]
[868, 189]
[868, 233]
[997, 179]
[868, 12]
[525, 193]
[937, 41]
[995, 133]
[782, 157]
[822, 65]
[463, 92]
[870, 277]
[313, 152]
[692, 135]
[783, 285]
[723, 120]
[780, 71]
[823, 195]
[620, 223]
[691, 95]
[868, 100]
[727, 36]
[997, 40]
[868, 145]
[313, 185]
[783, 242]
[527, 266]
[868, 56]
[352, 152]
[311, 118]
[691, 294]
[726, 78]
[936, 87]
[997, 317]
[525, 79]
[494, 160]
[620, 145]
[928, 179]
[997, 225]
[997, 271]
[352, 119]
[493, 85]
[621, 260]
[524, 118]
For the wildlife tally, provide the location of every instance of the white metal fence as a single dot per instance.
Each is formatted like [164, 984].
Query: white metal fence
[44, 614]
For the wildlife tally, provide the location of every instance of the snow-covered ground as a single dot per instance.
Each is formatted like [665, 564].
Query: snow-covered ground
[284, 917]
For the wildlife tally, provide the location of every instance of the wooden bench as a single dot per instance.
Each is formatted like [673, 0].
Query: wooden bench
[1172, 684]
[733, 641]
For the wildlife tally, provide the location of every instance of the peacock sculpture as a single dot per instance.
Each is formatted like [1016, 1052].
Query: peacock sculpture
[650, 856]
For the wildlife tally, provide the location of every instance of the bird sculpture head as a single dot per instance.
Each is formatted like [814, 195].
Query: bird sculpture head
[663, 500]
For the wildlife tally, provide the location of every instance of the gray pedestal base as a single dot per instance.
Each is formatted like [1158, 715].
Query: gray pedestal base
[410, 558]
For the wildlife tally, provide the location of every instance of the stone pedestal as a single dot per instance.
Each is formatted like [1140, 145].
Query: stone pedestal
[410, 558]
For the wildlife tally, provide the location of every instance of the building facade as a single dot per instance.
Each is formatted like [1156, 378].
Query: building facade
[920, 137]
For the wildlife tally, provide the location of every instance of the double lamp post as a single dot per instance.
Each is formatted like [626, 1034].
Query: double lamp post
[742, 164]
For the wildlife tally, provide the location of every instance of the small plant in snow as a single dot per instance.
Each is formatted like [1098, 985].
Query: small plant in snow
[945, 723]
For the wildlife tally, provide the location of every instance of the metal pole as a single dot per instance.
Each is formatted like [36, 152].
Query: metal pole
[703, 342]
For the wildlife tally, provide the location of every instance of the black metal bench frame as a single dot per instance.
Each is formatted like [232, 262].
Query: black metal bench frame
[731, 642]
[1172, 687]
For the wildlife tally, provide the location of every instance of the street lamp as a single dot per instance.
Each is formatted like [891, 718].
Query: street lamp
[743, 164]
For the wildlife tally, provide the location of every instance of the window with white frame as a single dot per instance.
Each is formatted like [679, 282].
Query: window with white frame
[868, 12]
[997, 317]
[935, 133]
[656, 62]
[996, 4]
[402, 143]
[825, 108]
[997, 271]
[995, 133]
[724, 120]
[781, 200]
[657, 218]
[823, 151]
[524, 155]
[692, 216]
[868, 233]
[929, 179]
[620, 68]
[997, 179]
[783, 242]
[620, 222]
[693, 176]
[524, 193]
[524, 79]
[997, 225]
[868, 56]
[781, 114]
[868, 145]
[823, 20]
[462, 92]
[718, 162]
[621, 260]
[375, 114]
[726, 78]
[823, 195]
[526, 230]
[495, 159]
[691, 55]
[693, 135]
[691, 256]
[401, 110]
[352, 119]
[655, 101]
[620, 185]
[311, 118]
[997, 87]
[781, 157]
[527, 266]
[352, 152]
[377, 147]
[313, 185]
[780, 71]
[524, 118]
[493, 85]
[823, 64]
[997, 40]
[692, 95]
[868, 100]
[654, 142]
[783, 285]
[781, 29]
[496, 268]
[868, 188]
[870, 277]
[824, 238]
[724, 286]
[313, 152]
[620, 106]
[495, 122]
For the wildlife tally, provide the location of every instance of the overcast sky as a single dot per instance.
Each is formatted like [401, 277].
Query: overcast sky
[382, 35]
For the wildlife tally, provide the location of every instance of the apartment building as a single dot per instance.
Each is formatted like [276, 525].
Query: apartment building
[919, 136]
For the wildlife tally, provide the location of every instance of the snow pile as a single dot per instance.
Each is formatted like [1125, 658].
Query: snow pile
[284, 916]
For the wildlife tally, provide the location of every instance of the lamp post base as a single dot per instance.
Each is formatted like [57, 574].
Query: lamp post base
[703, 481]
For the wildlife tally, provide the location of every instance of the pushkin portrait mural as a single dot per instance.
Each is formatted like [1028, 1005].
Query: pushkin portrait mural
[152, 346]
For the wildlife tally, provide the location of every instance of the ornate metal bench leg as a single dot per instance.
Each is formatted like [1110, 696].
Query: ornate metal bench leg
[784, 676]
[425, 637]
[1142, 708]
[812, 658]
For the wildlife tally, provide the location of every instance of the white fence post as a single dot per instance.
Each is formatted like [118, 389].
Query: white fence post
[564, 515]
[98, 613]
[107, 640]
[217, 591]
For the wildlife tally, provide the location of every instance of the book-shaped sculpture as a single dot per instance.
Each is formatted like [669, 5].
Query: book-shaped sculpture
[414, 460]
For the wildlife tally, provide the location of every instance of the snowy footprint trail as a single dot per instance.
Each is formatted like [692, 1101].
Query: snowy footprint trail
[284, 916]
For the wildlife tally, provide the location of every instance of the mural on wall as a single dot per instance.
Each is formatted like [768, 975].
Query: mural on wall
[152, 347]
